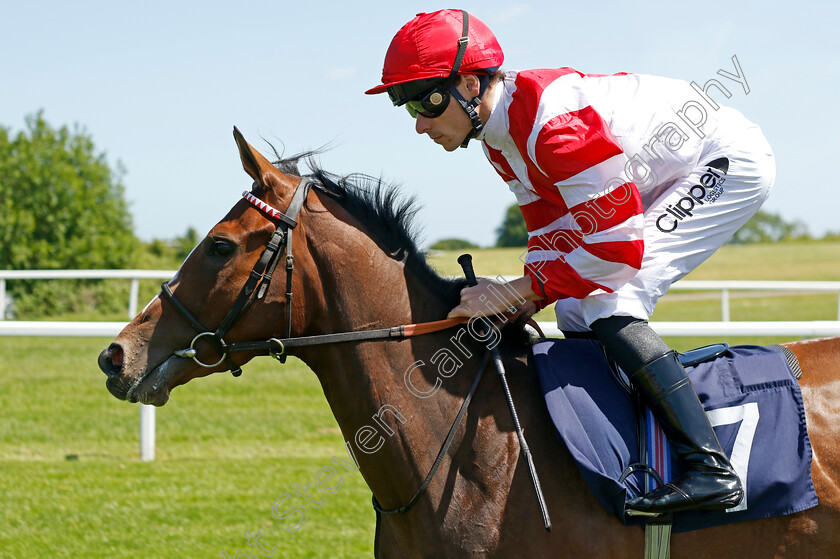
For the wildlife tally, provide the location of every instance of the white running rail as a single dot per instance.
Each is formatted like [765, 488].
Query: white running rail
[722, 329]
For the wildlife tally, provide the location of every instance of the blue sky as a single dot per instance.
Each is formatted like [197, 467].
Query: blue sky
[160, 85]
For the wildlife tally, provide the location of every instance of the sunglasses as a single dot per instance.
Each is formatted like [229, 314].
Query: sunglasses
[431, 105]
[425, 97]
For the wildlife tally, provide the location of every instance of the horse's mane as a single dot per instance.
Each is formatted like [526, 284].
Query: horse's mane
[384, 210]
[389, 215]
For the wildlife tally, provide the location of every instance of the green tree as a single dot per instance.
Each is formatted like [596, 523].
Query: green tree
[453, 244]
[61, 206]
[186, 243]
[765, 227]
[512, 232]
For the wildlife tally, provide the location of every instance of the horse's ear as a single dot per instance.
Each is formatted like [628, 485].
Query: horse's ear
[255, 164]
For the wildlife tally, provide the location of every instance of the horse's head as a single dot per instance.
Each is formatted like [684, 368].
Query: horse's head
[159, 349]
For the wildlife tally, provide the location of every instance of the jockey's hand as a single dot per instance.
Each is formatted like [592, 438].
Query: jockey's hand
[482, 299]
[473, 300]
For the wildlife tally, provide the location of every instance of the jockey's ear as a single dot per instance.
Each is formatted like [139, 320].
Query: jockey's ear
[473, 85]
[258, 167]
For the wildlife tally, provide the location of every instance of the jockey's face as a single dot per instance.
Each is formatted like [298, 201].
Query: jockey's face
[450, 128]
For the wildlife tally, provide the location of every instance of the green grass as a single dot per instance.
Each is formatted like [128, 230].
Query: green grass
[72, 484]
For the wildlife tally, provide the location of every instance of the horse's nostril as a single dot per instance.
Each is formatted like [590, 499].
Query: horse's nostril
[117, 356]
[111, 360]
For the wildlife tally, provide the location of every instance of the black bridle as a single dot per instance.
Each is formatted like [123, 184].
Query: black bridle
[255, 288]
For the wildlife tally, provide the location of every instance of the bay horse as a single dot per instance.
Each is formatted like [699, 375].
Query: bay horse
[356, 268]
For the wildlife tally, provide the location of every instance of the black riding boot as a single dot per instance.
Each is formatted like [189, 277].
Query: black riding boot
[708, 480]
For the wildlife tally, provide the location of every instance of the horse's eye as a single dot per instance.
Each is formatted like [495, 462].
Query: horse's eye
[222, 247]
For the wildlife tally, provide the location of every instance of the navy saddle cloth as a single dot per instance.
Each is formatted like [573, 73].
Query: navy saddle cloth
[752, 400]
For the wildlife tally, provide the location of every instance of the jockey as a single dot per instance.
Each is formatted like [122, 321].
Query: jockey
[626, 182]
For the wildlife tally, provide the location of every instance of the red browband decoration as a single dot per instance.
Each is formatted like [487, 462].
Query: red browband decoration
[259, 204]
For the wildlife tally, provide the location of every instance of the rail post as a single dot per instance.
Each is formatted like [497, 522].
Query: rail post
[132, 298]
[147, 433]
[724, 305]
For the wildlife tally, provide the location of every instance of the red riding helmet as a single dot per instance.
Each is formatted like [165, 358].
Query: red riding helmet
[427, 48]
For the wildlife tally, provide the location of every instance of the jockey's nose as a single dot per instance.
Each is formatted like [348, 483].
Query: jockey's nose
[422, 124]
[111, 360]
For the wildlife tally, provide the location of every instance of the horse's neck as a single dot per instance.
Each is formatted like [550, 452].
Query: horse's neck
[395, 402]
[388, 397]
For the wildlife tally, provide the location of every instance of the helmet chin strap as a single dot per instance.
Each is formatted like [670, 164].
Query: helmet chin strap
[471, 107]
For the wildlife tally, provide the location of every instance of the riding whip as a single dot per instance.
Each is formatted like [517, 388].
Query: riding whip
[465, 260]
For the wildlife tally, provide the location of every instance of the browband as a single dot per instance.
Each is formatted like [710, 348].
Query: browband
[268, 209]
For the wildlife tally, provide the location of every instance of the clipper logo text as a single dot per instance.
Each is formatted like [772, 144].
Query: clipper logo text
[707, 192]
